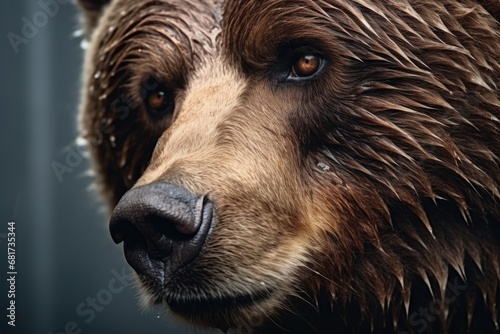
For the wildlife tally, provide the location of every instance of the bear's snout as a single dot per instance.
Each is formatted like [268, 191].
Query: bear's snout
[163, 227]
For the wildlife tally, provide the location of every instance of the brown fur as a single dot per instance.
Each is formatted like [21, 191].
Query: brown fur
[351, 201]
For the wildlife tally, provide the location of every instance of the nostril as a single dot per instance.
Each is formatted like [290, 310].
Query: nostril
[194, 214]
[163, 220]
[118, 229]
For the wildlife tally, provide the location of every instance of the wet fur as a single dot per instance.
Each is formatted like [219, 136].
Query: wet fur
[354, 200]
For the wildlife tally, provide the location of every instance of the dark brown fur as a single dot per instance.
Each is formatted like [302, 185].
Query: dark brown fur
[355, 200]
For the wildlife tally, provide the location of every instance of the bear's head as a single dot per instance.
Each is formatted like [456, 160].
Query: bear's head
[302, 165]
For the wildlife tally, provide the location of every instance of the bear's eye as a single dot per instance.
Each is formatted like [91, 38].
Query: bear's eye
[159, 101]
[305, 66]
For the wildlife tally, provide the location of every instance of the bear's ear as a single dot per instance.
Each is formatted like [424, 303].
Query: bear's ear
[92, 10]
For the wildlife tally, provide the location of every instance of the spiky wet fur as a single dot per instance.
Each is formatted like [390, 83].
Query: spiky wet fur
[404, 214]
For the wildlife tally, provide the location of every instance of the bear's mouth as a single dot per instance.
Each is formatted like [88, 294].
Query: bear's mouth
[181, 300]
[202, 305]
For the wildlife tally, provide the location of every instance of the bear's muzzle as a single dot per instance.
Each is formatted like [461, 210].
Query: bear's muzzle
[163, 227]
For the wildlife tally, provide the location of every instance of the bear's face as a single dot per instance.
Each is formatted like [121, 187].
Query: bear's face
[278, 151]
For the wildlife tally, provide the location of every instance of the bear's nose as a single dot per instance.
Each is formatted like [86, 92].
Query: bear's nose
[163, 227]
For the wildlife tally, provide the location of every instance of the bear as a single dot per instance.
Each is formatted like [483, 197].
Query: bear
[309, 166]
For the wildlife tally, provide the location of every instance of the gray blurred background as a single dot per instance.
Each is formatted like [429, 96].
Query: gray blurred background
[69, 270]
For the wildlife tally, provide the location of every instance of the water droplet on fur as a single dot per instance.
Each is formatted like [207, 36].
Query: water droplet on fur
[80, 141]
[84, 44]
[112, 140]
[111, 29]
[78, 33]
[102, 97]
[122, 13]
[129, 177]
[112, 74]
[97, 75]
[324, 167]
[123, 161]
[140, 50]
